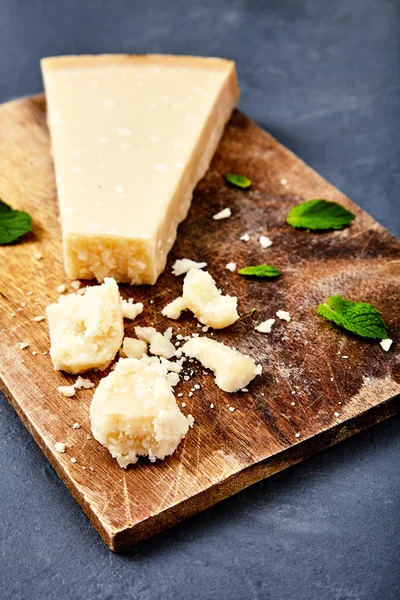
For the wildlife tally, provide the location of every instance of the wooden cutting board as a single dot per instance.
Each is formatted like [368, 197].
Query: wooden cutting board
[319, 384]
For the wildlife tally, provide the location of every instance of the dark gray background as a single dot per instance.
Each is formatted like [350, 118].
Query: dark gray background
[324, 78]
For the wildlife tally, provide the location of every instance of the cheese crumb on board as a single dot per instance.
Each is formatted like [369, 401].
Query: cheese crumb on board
[124, 222]
[130, 310]
[385, 344]
[174, 309]
[38, 256]
[183, 266]
[265, 242]
[73, 460]
[67, 390]
[133, 348]
[231, 266]
[61, 288]
[59, 447]
[76, 284]
[232, 369]
[223, 214]
[283, 315]
[38, 318]
[265, 326]
[245, 237]
[23, 345]
[134, 413]
[82, 383]
[76, 426]
[206, 301]
[159, 343]
[86, 331]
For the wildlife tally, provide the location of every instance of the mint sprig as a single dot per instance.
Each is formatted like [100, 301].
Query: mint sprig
[13, 223]
[240, 181]
[319, 215]
[260, 271]
[360, 318]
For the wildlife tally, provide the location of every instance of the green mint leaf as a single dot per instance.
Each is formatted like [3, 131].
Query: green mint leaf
[238, 180]
[319, 214]
[13, 223]
[4, 207]
[360, 318]
[260, 271]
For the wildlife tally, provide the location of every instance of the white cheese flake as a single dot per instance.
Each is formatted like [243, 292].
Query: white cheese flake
[284, 181]
[245, 237]
[67, 390]
[131, 311]
[76, 426]
[23, 345]
[223, 214]
[297, 435]
[336, 414]
[38, 256]
[283, 315]
[159, 343]
[39, 318]
[174, 309]
[265, 326]
[184, 265]
[231, 266]
[133, 348]
[386, 343]
[83, 383]
[232, 408]
[73, 460]
[265, 242]
[60, 447]
[76, 284]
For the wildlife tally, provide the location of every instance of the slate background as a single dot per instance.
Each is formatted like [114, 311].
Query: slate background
[323, 77]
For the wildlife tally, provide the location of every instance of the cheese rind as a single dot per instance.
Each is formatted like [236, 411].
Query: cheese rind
[134, 413]
[86, 330]
[232, 369]
[131, 137]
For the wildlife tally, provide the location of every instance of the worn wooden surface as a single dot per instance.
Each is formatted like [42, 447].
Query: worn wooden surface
[305, 378]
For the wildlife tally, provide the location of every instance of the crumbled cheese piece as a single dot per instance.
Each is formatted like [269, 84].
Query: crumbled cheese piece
[205, 329]
[183, 266]
[38, 256]
[76, 284]
[73, 460]
[183, 404]
[67, 390]
[190, 394]
[336, 414]
[244, 390]
[159, 343]
[211, 405]
[297, 435]
[232, 370]
[283, 315]
[76, 426]
[134, 412]
[131, 311]
[293, 403]
[190, 420]
[133, 348]
[82, 383]
[81, 291]
[265, 326]
[231, 266]
[197, 386]
[223, 214]
[12, 315]
[344, 356]
[284, 181]
[59, 447]
[22, 304]
[86, 331]
[245, 237]
[23, 345]
[232, 408]
[175, 367]
[34, 352]
[61, 288]
[386, 344]
[29, 293]
[265, 242]
[174, 309]
[206, 301]
[39, 318]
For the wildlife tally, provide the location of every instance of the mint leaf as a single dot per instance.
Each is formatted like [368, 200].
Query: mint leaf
[238, 180]
[360, 318]
[319, 214]
[260, 271]
[13, 223]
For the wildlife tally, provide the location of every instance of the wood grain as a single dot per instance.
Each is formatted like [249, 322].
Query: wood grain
[305, 381]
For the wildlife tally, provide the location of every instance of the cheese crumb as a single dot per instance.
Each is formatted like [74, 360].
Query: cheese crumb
[297, 435]
[82, 383]
[211, 405]
[223, 214]
[76, 284]
[67, 390]
[283, 315]
[206, 301]
[76, 426]
[265, 326]
[232, 370]
[131, 311]
[134, 412]
[336, 414]
[61, 289]
[38, 256]
[174, 309]
[183, 266]
[23, 345]
[159, 343]
[385, 344]
[73, 460]
[232, 408]
[265, 242]
[231, 267]
[284, 181]
[245, 237]
[38, 318]
[59, 447]
[133, 348]
[34, 352]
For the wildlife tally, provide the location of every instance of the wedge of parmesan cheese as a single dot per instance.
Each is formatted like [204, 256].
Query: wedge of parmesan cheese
[134, 413]
[232, 369]
[86, 331]
[131, 137]
[206, 301]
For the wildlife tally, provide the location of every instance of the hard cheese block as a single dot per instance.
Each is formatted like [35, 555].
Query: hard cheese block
[131, 137]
